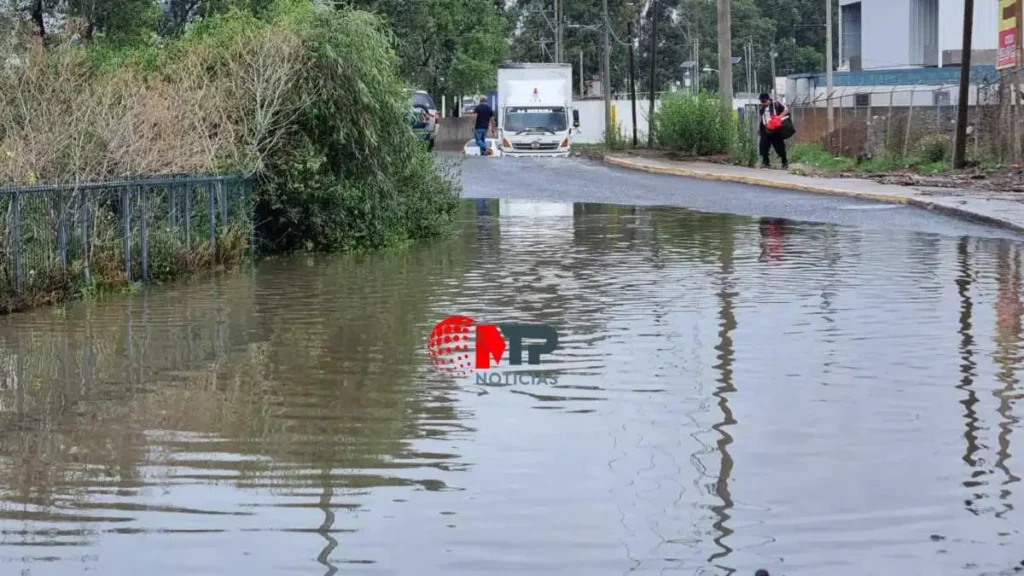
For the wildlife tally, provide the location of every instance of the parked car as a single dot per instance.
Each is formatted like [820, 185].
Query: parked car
[426, 117]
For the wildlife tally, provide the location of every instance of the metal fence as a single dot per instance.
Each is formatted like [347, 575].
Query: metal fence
[893, 121]
[59, 238]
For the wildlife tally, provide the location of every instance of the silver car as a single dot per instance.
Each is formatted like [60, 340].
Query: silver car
[426, 117]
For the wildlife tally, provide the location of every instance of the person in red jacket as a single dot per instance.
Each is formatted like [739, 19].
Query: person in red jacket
[771, 139]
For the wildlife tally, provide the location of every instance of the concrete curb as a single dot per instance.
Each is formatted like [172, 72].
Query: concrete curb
[947, 209]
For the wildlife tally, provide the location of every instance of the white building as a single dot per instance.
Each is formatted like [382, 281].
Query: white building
[902, 53]
[887, 34]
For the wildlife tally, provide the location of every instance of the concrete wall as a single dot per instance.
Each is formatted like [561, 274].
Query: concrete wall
[453, 133]
[592, 118]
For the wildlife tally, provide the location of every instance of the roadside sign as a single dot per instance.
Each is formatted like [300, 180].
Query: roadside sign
[1008, 40]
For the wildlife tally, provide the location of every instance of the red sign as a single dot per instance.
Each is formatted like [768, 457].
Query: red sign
[1007, 57]
[1007, 53]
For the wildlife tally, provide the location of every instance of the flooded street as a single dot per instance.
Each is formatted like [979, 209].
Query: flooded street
[832, 394]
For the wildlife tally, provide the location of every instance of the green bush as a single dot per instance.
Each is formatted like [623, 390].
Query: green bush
[695, 125]
[345, 172]
[933, 147]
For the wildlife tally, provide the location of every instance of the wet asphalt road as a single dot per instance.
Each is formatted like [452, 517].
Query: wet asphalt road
[579, 180]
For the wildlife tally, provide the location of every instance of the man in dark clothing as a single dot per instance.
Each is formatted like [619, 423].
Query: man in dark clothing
[771, 139]
[484, 115]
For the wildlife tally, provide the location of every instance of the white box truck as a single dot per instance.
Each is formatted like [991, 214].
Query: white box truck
[535, 113]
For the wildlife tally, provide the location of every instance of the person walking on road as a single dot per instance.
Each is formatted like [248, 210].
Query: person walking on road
[484, 124]
[772, 138]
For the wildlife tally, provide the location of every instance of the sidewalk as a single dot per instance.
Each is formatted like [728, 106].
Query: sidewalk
[959, 203]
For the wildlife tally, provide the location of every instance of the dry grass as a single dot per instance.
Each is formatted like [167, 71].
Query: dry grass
[62, 121]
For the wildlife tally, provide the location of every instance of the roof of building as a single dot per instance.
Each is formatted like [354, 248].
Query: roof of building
[904, 76]
[534, 65]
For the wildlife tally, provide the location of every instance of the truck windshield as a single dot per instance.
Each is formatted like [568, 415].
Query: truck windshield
[535, 119]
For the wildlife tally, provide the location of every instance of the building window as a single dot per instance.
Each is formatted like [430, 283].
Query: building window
[940, 98]
[862, 100]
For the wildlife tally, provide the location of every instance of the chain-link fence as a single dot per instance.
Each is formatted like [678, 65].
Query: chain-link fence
[56, 240]
[911, 121]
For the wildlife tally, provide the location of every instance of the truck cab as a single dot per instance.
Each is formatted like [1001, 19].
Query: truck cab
[535, 115]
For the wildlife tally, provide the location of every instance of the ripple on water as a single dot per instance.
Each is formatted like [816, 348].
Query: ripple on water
[731, 393]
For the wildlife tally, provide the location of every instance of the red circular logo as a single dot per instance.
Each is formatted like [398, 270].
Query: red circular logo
[448, 346]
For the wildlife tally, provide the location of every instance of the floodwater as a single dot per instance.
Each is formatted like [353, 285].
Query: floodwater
[730, 393]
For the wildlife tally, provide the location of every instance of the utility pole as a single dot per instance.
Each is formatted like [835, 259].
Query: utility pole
[655, 13]
[559, 55]
[632, 79]
[581, 74]
[725, 52]
[750, 66]
[695, 20]
[828, 64]
[606, 65]
[696, 66]
[698, 17]
[774, 54]
[960, 145]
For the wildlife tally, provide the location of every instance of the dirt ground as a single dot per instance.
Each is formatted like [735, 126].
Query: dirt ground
[1003, 184]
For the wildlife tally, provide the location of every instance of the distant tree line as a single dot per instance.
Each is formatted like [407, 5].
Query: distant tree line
[794, 29]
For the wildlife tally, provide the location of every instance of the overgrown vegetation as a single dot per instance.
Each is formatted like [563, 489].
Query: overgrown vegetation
[815, 156]
[934, 147]
[744, 149]
[304, 99]
[694, 125]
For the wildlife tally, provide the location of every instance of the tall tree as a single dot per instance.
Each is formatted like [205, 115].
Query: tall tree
[533, 38]
[448, 47]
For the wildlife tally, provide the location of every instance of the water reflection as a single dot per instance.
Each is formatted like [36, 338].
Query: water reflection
[968, 371]
[727, 319]
[1007, 357]
[773, 232]
[286, 420]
